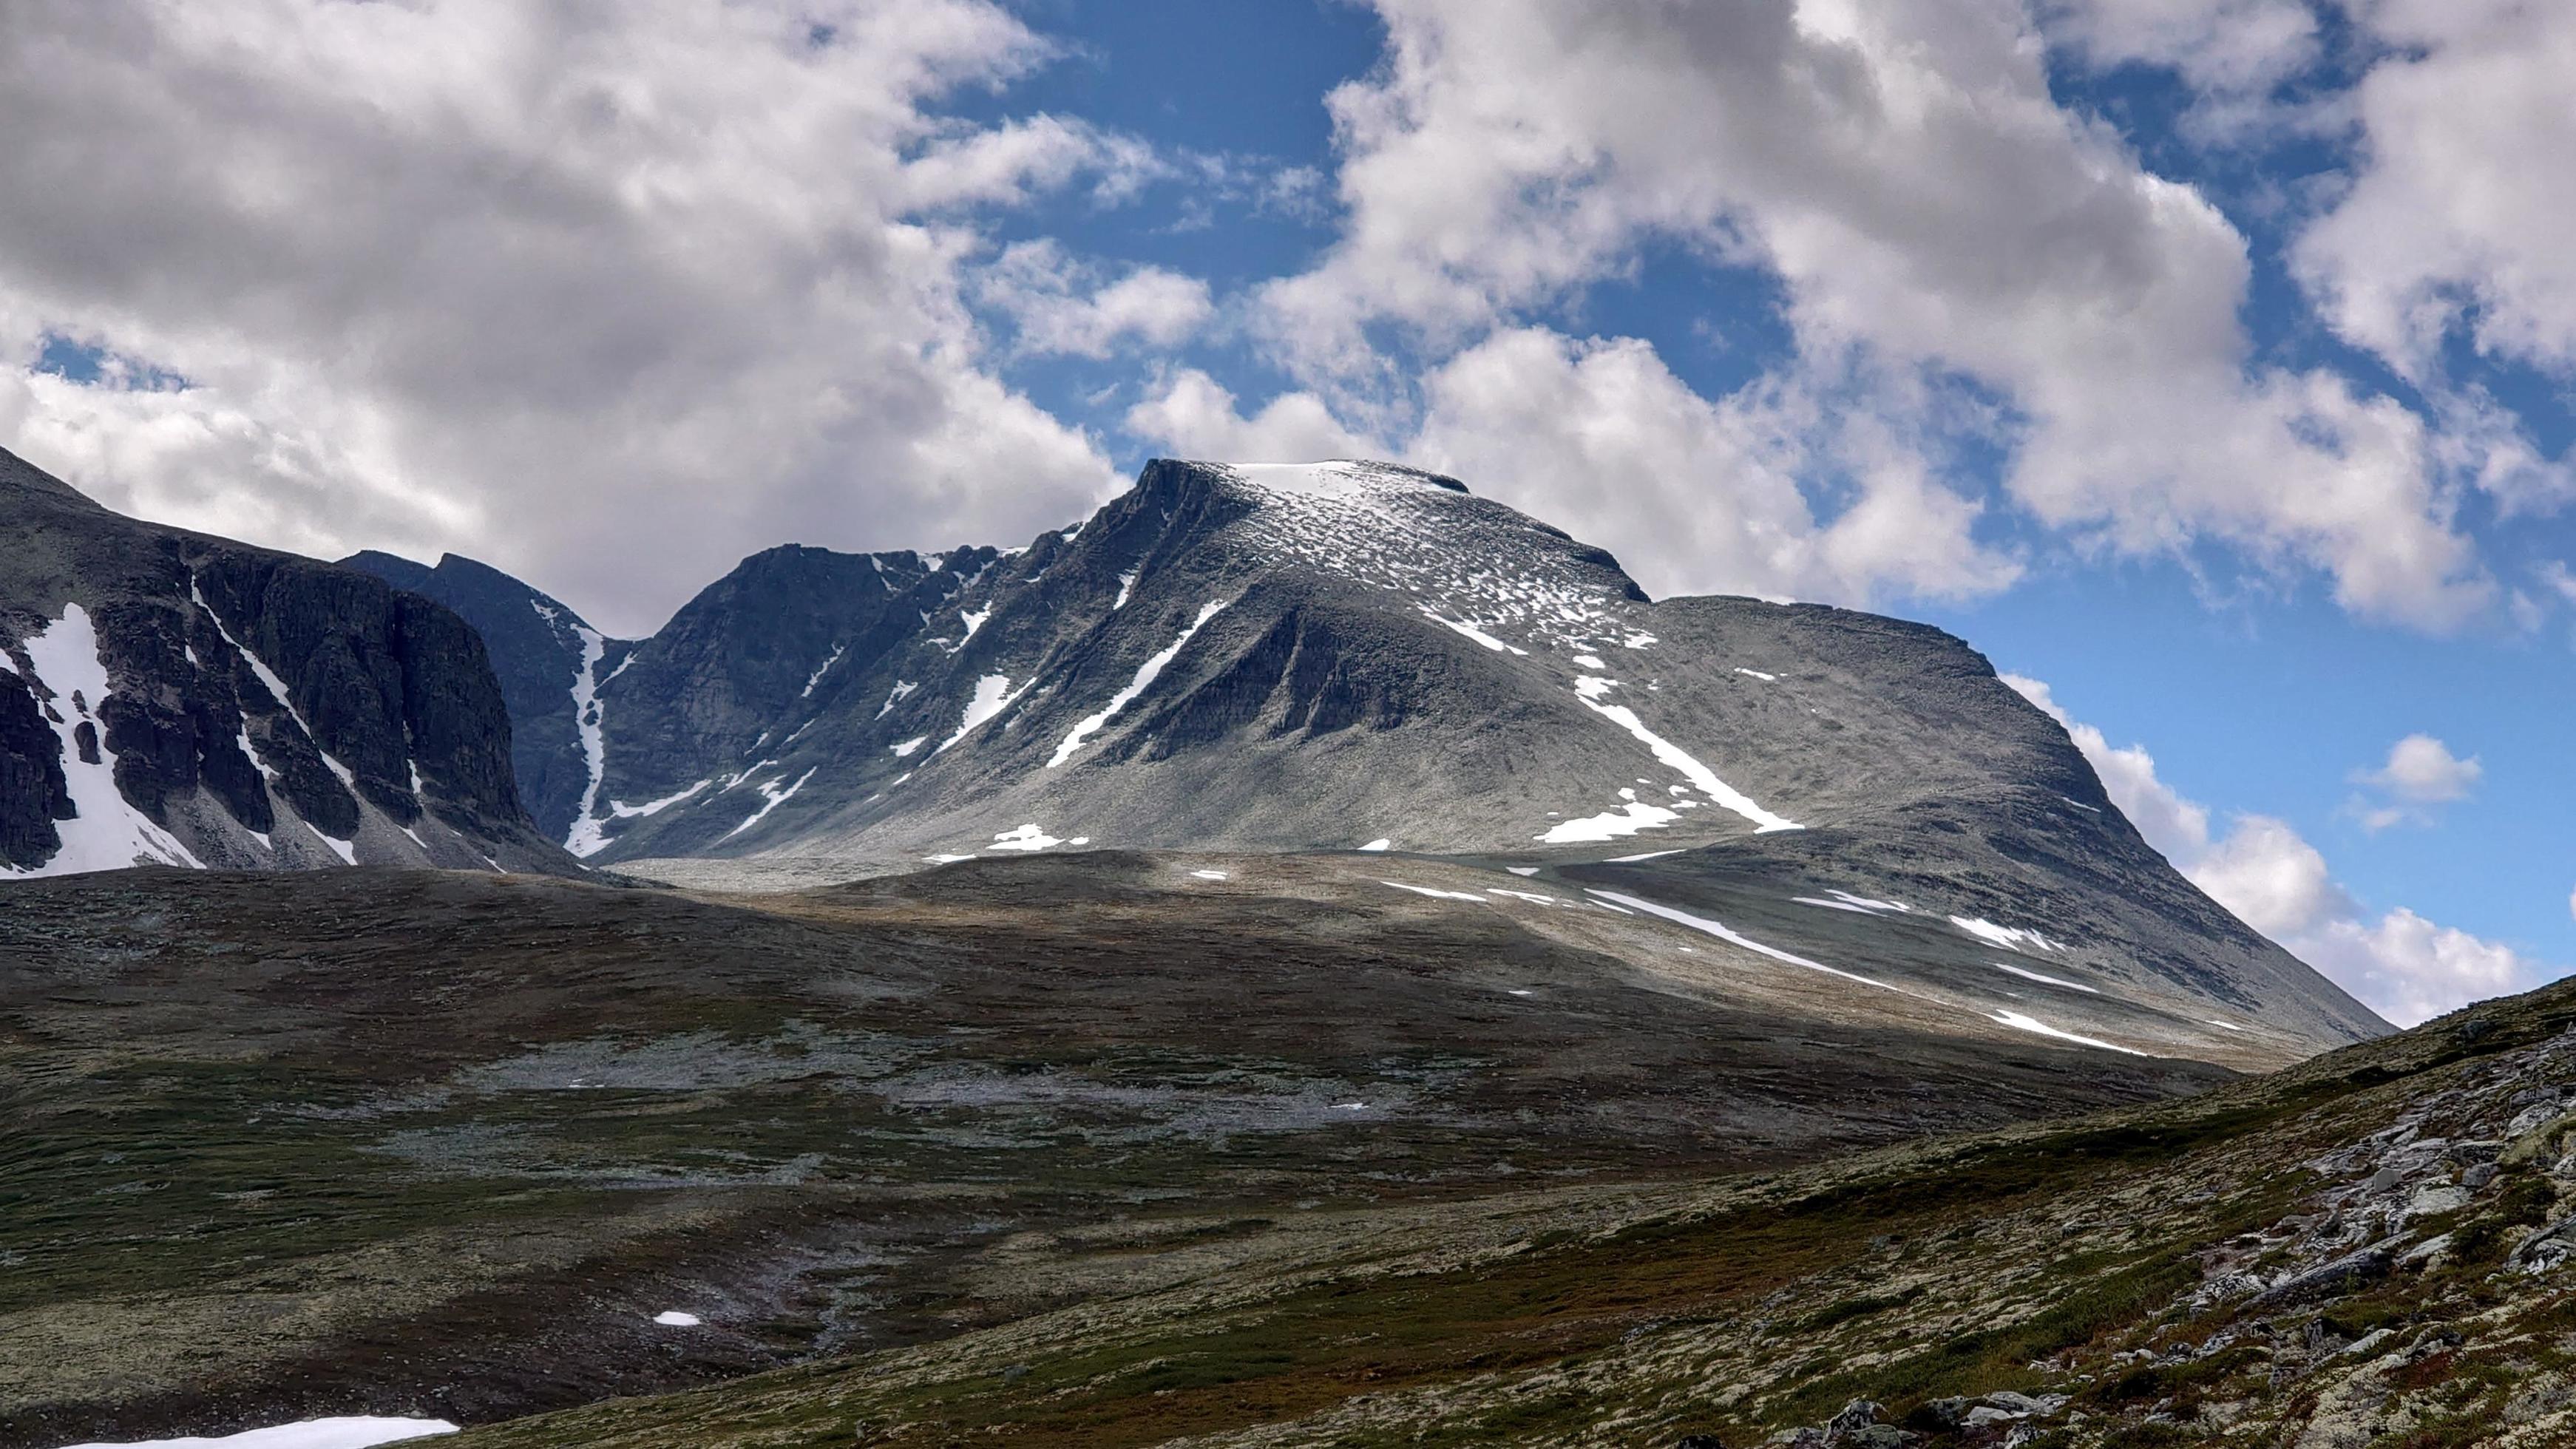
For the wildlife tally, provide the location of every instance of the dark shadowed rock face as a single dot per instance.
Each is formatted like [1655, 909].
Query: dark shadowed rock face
[178, 698]
[543, 654]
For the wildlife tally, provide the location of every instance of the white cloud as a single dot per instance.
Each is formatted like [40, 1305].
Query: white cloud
[2421, 773]
[2422, 769]
[1601, 438]
[2448, 223]
[1193, 415]
[534, 282]
[2231, 53]
[2401, 965]
[1934, 217]
[2445, 229]
[1061, 306]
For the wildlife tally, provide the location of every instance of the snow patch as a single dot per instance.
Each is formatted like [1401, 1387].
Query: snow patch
[1735, 938]
[2045, 980]
[587, 836]
[1625, 821]
[2011, 938]
[902, 687]
[1435, 894]
[107, 833]
[351, 1432]
[2019, 1022]
[347, 850]
[993, 694]
[1522, 869]
[1029, 837]
[1208, 874]
[1674, 757]
[1589, 661]
[1381, 843]
[674, 1318]
[1459, 626]
[1834, 900]
[623, 811]
[1126, 586]
[904, 751]
[1758, 674]
[817, 676]
[1146, 674]
[771, 798]
[1633, 859]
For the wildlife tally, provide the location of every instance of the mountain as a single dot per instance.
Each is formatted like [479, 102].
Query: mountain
[171, 697]
[1361, 656]
[548, 661]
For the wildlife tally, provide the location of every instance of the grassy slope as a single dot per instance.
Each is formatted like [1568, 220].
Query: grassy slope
[412, 1142]
[2071, 1258]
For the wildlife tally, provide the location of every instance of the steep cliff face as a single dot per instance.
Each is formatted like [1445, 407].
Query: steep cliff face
[175, 698]
[547, 659]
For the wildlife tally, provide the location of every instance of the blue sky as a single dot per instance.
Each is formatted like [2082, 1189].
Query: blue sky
[2206, 361]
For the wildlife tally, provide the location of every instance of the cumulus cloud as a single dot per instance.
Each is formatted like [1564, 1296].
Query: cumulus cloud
[1194, 415]
[1936, 221]
[2444, 226]
[2401, 965]
[2421, 767]
[536, 282]
[1063, 306]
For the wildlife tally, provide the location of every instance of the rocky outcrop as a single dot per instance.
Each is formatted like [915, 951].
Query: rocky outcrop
[176, 698]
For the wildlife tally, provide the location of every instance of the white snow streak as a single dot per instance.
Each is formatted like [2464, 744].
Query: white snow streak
[771, 798]
[108, 833]
[2045, 980]
[1435, 894]
[2019, 1022]
[902, 687]
[1030, 837]
[587, 836]
[817, 676]
[1675, 758]
[1736, 938]
[1470, 631]
[1146, 674]
[1126, 586]
[904, 750]
[1627, 820]
[992, 696]
[2011, 938]
[275, 686]
[337, 1433]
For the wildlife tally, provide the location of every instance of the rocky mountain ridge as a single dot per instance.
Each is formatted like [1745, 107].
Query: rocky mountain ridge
[168, 697]
[1360, 656]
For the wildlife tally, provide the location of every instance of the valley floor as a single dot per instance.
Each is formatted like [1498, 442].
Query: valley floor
[1129, 1150]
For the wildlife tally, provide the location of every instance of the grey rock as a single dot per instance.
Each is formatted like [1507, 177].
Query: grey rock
[2345, 1274]
[258, 706]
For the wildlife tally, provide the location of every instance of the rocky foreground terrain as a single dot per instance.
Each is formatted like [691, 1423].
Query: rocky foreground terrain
[2366, 1251]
